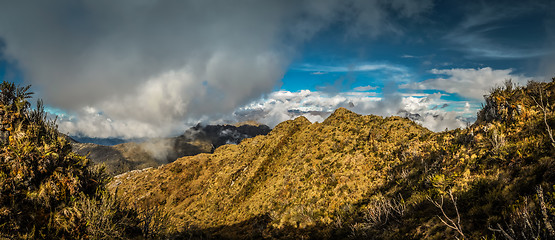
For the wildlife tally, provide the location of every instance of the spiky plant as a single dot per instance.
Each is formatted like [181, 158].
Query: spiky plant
[39, 174]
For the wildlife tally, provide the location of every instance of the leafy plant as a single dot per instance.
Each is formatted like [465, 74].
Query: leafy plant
[46, 190]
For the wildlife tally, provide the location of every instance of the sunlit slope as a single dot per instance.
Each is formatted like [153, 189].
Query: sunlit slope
[315, 167]
[356, 176]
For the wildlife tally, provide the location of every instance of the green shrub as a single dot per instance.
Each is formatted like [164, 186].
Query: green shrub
[46, 190]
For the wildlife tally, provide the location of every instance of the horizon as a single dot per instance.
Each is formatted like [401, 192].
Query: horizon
[131, 70]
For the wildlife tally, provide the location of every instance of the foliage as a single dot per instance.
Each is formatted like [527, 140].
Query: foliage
[357, 176]
[46, 190]
[350, 176]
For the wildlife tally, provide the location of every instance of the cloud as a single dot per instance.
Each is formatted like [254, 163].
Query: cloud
[468, 82]
[488, 30]
[149, 65]
[547, 66]
[318, 73]
[317, 106]
[372, 21]
[547, 62]
[366, 67]
[365, 88]
[408, 56]
[476, 45]
[386, 71]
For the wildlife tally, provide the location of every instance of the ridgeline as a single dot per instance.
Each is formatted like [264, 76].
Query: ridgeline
[130, 156]
[355, 176]
[349, 177]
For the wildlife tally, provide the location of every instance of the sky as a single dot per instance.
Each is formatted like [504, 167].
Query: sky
[146, 68]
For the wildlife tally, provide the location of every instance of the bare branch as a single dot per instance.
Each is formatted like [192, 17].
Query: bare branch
[546, 221]
[449, 222]
[543, 106]
[500, 229]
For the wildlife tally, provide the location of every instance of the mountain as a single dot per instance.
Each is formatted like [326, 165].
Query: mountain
[355, 176]
[103, 141]
[129, 156]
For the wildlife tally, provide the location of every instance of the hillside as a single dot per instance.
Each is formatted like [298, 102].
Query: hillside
[301, 174]
[129, 156]
[355, 176]
[349, 177]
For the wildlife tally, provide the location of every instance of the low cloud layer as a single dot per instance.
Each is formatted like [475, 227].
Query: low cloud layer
[141, 68]
[430, 110]
[425, 109]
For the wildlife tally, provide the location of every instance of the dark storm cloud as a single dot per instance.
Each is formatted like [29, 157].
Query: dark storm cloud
[505, 30]
[139, 68]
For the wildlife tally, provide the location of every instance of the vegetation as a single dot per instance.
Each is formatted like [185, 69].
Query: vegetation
[348, 177]
[355, 176]
[46, 190]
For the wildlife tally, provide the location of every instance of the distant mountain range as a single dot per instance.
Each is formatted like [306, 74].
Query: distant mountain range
[127, 156]
[103, 141]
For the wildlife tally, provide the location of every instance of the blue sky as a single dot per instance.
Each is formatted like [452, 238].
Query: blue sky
[445, 36]
[135, 69]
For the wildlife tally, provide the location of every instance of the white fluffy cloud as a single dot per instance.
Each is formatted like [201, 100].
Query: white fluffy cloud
[428, 110]
[365, 88]
[468, 82]
[147, 66]
[160, 106]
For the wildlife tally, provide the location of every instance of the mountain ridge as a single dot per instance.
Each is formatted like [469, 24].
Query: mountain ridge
[349, 177]
[259, 156]
[129, 156]
[355, 176]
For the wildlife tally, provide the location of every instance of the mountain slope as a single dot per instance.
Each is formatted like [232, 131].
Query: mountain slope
[329, 165]
[367, 176]
[129, 156]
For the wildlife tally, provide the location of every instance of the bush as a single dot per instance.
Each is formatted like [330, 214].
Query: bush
[46, 190]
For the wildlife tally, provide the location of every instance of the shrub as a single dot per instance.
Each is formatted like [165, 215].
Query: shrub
[46, 190]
